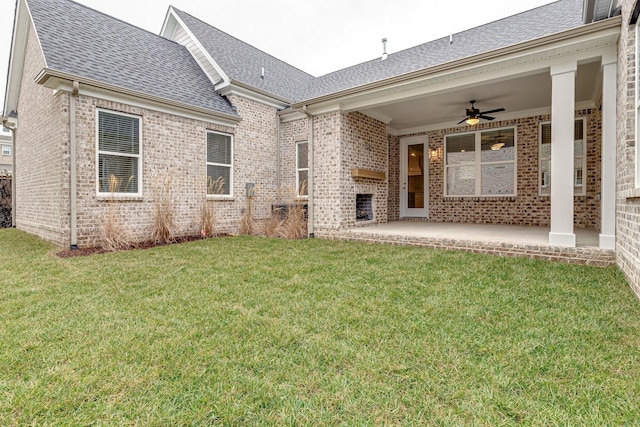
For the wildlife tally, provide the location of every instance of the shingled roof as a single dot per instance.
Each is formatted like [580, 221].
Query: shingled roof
[81, 41]
[243, 63]
[545, 20]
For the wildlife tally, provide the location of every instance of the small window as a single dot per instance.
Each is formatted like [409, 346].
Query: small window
[481, 164]
[302, 168]
[6, 150]
[579, 155]
[119, 137]
[219, 163]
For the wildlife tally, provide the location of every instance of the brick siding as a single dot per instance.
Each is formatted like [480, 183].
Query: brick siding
[528, 207]
[172, 146]
[42, 154]
[628, 198]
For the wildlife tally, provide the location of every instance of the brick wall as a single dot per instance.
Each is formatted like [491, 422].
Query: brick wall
[290, 133]
[42, 189]
[255, 155]
[328, 200]
[364, 145]
[628, 197]
[527, 207]
[172, 147]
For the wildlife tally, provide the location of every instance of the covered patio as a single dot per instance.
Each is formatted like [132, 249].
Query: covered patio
[544, 160]
[497, 239]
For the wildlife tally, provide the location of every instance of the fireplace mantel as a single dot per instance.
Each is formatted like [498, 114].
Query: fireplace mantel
[366, 173]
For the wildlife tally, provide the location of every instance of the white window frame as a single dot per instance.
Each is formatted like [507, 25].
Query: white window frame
[230, 165]
[138, 156]
[6, 150]
[299, 169]
[578, 189]
[478, 163]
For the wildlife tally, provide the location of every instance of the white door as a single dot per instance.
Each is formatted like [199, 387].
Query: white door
[414, 171]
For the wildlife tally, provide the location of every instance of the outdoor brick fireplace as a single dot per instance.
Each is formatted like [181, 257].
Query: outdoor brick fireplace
[364, 207]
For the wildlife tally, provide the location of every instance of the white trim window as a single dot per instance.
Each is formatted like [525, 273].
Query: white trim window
[119, 153]
[481, 163]
[6, 150]
[302, 168]
[219, 164]
[579, 156]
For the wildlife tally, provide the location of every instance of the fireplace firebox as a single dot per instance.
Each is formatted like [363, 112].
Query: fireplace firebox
[364, 207]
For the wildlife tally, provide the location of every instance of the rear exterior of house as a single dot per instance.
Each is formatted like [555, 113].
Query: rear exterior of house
[374, 143]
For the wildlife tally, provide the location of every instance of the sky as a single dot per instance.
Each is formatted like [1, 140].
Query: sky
[317, 36]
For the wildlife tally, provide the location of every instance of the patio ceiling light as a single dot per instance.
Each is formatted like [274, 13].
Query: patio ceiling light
[472, 121]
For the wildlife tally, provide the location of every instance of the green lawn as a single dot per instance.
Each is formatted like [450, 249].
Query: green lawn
[254, 331]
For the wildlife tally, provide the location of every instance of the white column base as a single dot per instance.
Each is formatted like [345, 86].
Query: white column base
[562, 239]
[607, 242]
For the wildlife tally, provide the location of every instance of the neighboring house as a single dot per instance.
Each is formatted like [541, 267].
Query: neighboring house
[97, 98]
[6, 150]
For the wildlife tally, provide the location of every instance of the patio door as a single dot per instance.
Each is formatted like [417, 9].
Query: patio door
[414, 173]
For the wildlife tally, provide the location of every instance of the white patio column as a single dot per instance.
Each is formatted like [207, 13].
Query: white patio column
[562, 139]
[608, 190]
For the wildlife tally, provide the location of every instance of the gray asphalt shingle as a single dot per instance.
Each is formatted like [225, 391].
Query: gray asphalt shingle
[539, 22]
[243, 62]
[84, 42]
[81, 41]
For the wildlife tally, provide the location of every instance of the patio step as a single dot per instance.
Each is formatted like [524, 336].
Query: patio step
[579, 255]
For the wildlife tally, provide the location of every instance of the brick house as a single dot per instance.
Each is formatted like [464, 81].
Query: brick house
[378, 142]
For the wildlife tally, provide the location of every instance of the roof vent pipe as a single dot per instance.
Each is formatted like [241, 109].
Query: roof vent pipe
[384, 49]
[450, 38]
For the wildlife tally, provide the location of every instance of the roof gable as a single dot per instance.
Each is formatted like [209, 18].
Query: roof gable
[244, 63]
[83, 42]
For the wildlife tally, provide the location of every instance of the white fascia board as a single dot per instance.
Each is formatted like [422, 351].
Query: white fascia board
[483, 73]
[169, 24]
[291, 116]
[96, 90]
[529, 57]
[21, 24]
[234, 88]
[199, 45]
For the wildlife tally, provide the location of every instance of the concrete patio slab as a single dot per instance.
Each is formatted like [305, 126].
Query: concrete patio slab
[505, 240]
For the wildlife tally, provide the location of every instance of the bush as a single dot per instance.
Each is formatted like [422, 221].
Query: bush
[164, 219]
[5, 202]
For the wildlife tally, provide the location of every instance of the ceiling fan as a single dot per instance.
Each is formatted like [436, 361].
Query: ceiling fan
[474, 115]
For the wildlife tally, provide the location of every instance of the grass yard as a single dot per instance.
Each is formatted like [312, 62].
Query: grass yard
[254, 331]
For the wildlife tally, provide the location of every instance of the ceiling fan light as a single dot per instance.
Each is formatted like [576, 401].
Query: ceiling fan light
[472, 121]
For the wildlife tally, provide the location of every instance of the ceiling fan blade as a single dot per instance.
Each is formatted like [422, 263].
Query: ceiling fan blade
[486, 117]
[497, 110]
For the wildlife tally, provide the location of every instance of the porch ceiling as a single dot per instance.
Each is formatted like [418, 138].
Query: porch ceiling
[518, 95]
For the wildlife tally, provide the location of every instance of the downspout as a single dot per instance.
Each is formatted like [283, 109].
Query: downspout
[311, 204]
[278, 167]
[14, 133]
[73, 170]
